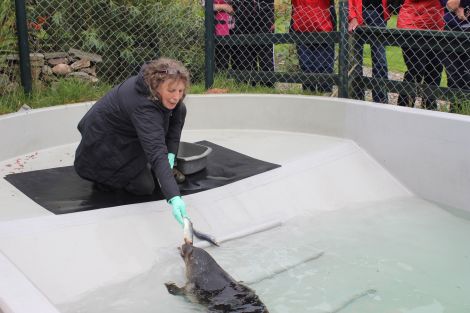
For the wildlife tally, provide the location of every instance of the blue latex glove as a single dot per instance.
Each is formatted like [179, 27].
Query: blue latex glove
[171, 159]
[179, 209]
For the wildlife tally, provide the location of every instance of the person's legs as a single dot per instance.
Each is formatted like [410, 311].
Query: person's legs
[222, 57]
[358, 71]
[305, 61]
[465, 70]
[451, 63]
[316, 58]
[244, 59]
[143, 184]
[325, 63]
[462, 80]
[457, 65]
[432, 77]
[266, 61]
[413, 64]
[374, 17]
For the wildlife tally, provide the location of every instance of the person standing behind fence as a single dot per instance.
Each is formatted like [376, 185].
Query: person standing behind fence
[224, 25]
[314, 16]
[371, 13]
[424, 64]
[457, 63]
[254, 17]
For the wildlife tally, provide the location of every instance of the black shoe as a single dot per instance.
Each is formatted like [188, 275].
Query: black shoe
[179, 177]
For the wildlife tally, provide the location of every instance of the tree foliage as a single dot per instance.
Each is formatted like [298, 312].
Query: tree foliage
[126, 33]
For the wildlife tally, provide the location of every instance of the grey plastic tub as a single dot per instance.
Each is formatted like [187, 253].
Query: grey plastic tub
[192, 157]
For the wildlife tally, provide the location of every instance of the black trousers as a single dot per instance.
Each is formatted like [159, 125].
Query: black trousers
[424, 67]
[457, 64]
[143, 184]
[223, 57]
[254, 58]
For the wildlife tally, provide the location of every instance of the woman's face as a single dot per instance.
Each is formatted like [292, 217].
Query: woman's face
[171, 91]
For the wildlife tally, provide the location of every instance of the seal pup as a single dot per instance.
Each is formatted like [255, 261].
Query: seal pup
[208, 284]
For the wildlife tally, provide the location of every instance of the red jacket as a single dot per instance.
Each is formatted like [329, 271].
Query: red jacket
[421, 14]
[311, 16]
[355, 10]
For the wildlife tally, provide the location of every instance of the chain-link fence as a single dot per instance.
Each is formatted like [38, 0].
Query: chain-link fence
[420, 47]
[363, 52]
[407, 58]
[102, 42]
[298, 54]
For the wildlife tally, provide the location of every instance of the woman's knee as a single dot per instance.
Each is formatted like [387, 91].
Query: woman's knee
[143, 184]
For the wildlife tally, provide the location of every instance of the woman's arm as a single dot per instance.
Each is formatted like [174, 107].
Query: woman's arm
[175, 128]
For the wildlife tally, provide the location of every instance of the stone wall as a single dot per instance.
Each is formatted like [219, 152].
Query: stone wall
[49, 67]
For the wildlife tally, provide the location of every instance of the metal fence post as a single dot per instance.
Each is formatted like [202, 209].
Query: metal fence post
[25, 65]
[210, 45]
[343, 65]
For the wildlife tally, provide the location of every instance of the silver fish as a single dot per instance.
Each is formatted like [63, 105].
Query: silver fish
[205, 237]
[189, 232]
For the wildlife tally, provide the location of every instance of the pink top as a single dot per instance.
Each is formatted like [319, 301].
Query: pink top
[223, 21]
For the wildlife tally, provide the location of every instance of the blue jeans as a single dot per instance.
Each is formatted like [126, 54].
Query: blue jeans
[373, 17]
[317, 58]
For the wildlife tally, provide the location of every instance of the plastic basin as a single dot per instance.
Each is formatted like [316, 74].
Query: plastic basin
[192, 157]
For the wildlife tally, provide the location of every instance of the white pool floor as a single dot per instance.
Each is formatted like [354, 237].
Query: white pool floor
[352, 238]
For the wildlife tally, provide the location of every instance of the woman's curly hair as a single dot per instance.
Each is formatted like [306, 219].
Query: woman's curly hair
[162, 69]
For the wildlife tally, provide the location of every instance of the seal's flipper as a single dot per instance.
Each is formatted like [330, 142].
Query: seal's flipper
[174, 290]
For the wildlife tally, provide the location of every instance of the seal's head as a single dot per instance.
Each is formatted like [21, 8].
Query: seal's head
[186, 251]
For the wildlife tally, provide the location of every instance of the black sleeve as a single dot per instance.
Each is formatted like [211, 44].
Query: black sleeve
[149, 124]
[175, 128]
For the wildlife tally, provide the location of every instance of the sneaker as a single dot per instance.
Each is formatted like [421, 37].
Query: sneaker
[179, 177]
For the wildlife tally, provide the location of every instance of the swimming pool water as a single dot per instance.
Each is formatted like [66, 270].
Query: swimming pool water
[401, 256]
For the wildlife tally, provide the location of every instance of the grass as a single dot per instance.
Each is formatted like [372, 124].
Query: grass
[60, 92]
[229, 85]
[73, 91]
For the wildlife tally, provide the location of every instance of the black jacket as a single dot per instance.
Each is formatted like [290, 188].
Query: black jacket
[252, 17]
[124, 131]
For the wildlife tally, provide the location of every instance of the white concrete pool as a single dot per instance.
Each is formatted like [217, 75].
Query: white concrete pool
[370, 207]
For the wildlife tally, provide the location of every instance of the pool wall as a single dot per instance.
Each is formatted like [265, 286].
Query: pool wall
[429, 152]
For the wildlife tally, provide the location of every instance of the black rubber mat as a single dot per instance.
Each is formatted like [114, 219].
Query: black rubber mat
[60, 190]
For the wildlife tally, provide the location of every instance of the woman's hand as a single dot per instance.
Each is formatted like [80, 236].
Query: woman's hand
[452, 5]
[460, 13]
[171, 159]
[352, 24]
[179, 209]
